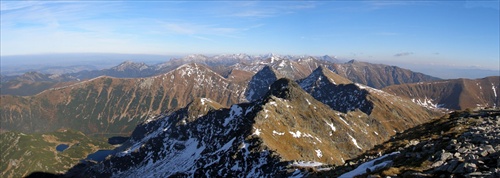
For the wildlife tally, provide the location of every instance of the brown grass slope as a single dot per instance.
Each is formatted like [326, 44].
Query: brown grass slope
[106, 105]
[453, 94]
[378, 75]
[327, 135]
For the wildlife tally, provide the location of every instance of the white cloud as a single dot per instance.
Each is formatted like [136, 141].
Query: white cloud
[268, 9]
[403, 54]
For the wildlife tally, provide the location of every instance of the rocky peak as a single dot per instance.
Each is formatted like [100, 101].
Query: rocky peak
[343, 96]
[260, 82]
[352, 61]
[129, 65]
[33, 76]
[286, 89]
[193, 70]
[323, 73]
[194, 57]
[199, 107]
[329, 58]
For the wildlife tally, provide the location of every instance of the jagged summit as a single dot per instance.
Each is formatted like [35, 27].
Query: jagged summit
[286, 89]
[260, 82]
[323, 73]
[352, 61]
[199, 107]
[337, 92]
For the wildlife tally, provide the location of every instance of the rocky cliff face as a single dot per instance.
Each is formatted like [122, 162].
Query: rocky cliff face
[452, 94]
[108, 105]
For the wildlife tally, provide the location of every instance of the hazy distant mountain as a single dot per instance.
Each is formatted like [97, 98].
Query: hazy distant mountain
[32, 83]
[242, 66]
[71, 62]
[260, 138]
[452, 94]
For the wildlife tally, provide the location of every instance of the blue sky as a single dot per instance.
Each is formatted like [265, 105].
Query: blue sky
[461, 33]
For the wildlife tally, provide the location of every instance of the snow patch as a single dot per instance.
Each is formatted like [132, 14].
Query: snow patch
[235, 112]
[428, 103]
[203, 100]
[331, 126]
[494, 89]
[340, 117]
[308, 101]
[278, 133]
[256, 131]
[354, 142]
[296, 134]
[318, 153]
[370, 165]
[307, 164]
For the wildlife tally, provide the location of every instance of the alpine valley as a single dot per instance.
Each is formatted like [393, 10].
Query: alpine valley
[241, 116]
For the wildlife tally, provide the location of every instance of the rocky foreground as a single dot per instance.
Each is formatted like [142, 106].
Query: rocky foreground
[461, 144]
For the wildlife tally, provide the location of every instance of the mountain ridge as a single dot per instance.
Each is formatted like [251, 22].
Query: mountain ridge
[452, 94]
[109, 100]
[259, 138]
[295, 67]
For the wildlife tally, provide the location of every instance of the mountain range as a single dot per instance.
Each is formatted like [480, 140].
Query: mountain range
[261, 138]
[294, 67]
[225, 115]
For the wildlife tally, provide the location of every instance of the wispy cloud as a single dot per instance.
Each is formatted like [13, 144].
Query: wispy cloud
[380, 4]
[403, 54]
[199, 30]
[259, 10]
[483, 4]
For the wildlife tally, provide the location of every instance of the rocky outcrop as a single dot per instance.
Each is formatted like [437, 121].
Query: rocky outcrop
[464, 144]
